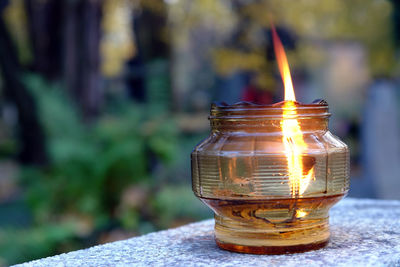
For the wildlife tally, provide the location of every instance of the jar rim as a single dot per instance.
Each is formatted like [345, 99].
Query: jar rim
[252, 111]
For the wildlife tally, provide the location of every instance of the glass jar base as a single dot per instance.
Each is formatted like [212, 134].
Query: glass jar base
[271, 250]
[278, 239]
[272, 226]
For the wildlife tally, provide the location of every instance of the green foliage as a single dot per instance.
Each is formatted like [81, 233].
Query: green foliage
[178, 202]
[92, 166]
[8, 147]
[33, 243]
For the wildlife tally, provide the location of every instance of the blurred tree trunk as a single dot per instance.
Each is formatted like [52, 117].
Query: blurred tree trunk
[65, 37]
[153, 85]
[32, 139]
[81, 54]
[150, 30]
[396, 20]
[45, 24]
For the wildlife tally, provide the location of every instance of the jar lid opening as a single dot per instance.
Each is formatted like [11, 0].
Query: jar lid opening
[247, 110]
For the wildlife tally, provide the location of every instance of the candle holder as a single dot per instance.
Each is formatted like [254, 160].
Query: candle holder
[270, 173]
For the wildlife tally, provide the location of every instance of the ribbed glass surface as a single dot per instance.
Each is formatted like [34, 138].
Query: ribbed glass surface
[257, 173]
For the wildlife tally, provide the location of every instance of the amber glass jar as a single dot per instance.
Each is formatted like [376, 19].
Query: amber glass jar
[241, 171]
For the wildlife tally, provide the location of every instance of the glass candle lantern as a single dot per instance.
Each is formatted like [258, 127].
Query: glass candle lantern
[270, 192]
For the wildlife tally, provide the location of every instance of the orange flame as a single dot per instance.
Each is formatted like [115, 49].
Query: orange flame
[292, 135]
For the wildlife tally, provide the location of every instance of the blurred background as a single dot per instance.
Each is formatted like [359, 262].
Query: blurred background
[102, 101]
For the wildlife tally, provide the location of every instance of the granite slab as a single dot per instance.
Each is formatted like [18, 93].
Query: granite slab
[364, 232]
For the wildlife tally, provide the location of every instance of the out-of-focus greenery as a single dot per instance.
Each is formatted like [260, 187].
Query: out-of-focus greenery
[100, 178]
[92, 164]
[17, 245]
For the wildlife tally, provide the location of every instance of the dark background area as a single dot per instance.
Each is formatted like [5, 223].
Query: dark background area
[102, 101]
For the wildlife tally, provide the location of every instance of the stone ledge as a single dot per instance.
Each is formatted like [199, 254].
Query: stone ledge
[363, 233]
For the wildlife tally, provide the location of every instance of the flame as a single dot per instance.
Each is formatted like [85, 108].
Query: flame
[292, 135]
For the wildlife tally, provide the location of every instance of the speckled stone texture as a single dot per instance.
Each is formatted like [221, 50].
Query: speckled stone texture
[363, 233]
